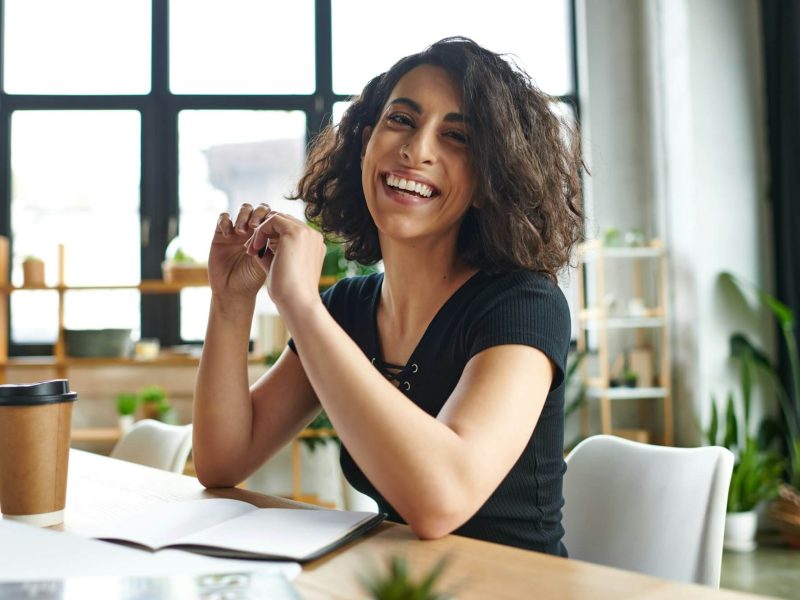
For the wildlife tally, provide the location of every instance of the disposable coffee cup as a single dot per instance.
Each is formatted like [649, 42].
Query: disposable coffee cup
[35, 426]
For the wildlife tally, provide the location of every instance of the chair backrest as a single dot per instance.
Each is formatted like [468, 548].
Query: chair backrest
[156, 444]
[645, 508]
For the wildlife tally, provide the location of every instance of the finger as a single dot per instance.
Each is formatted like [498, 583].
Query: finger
[262, 235]
[289, 217]
[225, 225]
[243, 217]
[260, 212]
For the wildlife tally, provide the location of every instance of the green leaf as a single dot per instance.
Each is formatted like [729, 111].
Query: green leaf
[769, 430]
[731, 426]
[783, 313]
[755, 478]
[397, 584]
[127, 403]
[714, 426]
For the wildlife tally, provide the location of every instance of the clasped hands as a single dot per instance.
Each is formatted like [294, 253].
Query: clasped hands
[264, 246]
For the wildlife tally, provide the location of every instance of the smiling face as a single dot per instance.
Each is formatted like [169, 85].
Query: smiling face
[416, 170]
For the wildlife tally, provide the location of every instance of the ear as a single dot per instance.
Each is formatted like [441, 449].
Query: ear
[366, 133]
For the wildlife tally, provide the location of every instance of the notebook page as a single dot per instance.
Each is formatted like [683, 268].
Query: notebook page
[293, 533]
[163, 524]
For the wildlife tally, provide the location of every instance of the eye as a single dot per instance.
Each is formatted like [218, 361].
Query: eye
[400, 119]
[457, 135]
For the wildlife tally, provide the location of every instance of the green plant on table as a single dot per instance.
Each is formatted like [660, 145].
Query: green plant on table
[182, 258]
[127, 403]
[154, 400]
[397, 584]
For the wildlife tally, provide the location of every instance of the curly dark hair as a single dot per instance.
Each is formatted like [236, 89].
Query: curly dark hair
[527, 164]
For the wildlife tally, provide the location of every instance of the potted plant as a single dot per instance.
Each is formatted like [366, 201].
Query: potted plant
[755, 477]
[126, 409]
[180, 267]
[336, 266]
[786, 509]
[154, 404]
[32, 271]
[631, 378]
[397, 584]
[322, 427]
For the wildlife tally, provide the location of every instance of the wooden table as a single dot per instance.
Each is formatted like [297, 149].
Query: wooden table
[100, 487]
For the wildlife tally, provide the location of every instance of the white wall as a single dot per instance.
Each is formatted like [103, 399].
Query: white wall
[675, 133]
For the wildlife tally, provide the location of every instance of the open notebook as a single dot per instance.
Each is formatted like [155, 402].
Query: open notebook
[232, 528]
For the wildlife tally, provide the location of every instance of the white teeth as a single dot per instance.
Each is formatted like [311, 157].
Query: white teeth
[412, 186]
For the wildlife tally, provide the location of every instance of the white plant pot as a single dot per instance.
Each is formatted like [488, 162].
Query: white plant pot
[740, 531]
[125, 422]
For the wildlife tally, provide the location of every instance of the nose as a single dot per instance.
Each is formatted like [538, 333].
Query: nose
[420, 148]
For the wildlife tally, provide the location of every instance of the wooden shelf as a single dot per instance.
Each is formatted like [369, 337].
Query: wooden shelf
[595, 249]
[595, 321]
[163, 361]
[624, 322]
[147, 286]
[626, 393]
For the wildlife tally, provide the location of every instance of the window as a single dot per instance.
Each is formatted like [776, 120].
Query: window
[125, 124]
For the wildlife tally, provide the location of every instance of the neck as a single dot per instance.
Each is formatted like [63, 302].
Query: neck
[418, 279]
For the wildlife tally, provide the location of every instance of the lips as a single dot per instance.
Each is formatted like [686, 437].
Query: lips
[408, 189]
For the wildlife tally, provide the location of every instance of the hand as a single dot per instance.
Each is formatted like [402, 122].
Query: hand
[291, 254]
[231, 270]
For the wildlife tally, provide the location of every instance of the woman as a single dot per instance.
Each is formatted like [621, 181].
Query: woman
[443, 376]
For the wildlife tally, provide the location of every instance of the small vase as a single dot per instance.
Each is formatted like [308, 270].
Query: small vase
[740, 531]
[33, 273]
[125, 422]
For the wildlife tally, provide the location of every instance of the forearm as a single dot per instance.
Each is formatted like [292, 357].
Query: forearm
[222, 410]
[390, 438]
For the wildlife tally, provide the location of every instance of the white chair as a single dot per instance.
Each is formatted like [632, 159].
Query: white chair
[651, 509]
[156, 444]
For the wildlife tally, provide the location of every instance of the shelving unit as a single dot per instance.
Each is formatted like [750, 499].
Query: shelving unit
[59, 361]
[596, 318]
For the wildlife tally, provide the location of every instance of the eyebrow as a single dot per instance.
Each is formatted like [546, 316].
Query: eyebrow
[449, 117]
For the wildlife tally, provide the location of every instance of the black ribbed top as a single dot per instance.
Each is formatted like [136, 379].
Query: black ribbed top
[488, 310]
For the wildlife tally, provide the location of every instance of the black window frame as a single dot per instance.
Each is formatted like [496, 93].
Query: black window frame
[159, 110]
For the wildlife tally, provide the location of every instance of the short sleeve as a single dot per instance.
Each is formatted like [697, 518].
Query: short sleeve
[522, 308]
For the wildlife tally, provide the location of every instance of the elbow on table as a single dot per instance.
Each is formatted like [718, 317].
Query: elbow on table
[210, 477]
[438, 522]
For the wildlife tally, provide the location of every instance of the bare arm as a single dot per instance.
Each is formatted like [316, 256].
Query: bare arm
[236, 428]
[435, 471]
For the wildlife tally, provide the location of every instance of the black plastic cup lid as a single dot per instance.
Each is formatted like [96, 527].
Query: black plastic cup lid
[44, 392]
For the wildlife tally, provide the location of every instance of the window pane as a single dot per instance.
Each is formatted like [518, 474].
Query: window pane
[537, 32]
[77, 47]
[227, 158]
[241, 47]
[75, 181]
[122, 310]
[34, 317]
[338, 111]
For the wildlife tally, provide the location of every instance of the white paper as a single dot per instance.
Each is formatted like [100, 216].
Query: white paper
[30, 553]
[233, 525]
